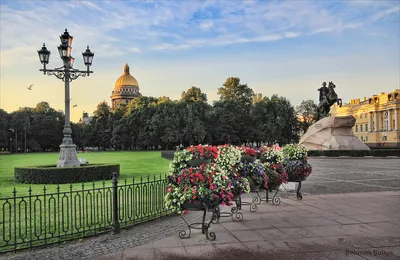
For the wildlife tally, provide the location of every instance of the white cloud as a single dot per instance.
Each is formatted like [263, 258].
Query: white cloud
[206, 25]
[178, 25]
[386, 12]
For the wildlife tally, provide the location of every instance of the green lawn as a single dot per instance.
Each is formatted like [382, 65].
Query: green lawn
[133, 164]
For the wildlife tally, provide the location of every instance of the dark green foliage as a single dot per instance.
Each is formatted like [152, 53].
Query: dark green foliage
[239, 117]
[307, 111]
[356, 153]
[50, 174]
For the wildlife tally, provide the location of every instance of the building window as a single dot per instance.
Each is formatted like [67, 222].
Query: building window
[360, 115]
[361, 128]
[356, 128]
[366, 127]
[384, 138]
[361, 138]
[366, 138]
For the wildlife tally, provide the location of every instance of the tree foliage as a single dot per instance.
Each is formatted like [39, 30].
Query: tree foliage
[239, 117]
[306, 111]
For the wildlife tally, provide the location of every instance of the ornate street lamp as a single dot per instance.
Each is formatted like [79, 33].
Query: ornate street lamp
[66, 73]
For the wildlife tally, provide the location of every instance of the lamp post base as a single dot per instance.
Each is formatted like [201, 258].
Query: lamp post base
[68, 156]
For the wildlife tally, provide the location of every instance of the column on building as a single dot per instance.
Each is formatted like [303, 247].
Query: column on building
[369, 122]
[396, 123]
[375, 121]
[389, 121]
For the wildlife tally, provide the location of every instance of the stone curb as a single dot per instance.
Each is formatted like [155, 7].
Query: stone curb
[353, 157]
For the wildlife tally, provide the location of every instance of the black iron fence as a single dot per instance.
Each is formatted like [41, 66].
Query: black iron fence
[48, 218]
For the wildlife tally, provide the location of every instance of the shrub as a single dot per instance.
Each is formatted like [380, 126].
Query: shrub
[50, 174]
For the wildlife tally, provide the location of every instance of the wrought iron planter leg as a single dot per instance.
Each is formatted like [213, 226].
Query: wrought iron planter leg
[257, 200]
[236, 215]
[210, 235]
[183, 234]
[275, 199]
[204, 226]
[298, 193]
[215, 218]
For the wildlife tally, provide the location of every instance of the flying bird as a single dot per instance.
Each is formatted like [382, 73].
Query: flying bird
[74, 105]
[30, 87]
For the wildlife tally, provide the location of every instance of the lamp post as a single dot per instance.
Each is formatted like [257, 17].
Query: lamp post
[68, 156]
[16, 139]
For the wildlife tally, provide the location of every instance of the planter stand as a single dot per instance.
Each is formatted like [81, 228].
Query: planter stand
[234, 214]
[275, 200]
[240, 203]
[203, 226]
[298, 193]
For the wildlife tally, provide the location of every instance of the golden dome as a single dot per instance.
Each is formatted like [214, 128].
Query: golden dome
[126, 79]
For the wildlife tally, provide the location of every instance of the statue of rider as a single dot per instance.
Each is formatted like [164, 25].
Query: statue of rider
[323, 92]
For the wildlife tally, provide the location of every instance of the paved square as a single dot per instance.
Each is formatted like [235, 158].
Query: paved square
[350, 210]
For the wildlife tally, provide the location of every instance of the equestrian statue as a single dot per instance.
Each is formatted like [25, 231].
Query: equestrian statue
[327, 97]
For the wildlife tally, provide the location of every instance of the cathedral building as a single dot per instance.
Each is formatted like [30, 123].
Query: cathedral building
[126, 88]
[377, 119]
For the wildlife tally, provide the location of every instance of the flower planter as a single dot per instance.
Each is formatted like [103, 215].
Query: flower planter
[296, 179]
[253, 186]
[273, 186]
[192, 205]
[198, 162]
[247, 158]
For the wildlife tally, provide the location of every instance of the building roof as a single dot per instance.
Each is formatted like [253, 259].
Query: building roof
[125, 80]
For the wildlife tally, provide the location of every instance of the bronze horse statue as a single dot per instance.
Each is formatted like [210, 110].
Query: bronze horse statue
[327, 97]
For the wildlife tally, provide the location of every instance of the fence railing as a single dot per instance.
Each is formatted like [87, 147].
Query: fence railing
[48, 218]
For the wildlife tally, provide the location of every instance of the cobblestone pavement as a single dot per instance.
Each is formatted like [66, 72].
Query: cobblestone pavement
[347, 175]
[330, 175]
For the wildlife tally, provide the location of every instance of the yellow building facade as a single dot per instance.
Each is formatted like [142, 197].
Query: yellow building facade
[377, 119]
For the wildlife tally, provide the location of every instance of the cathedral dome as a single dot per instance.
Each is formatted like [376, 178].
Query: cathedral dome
[125, 79]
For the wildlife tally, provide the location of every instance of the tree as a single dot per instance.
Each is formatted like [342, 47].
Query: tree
[238, 98]
[257, 98]
[286, 121]
[233, 90]
[45, 132]
[306, 111]
[193, 94]
[102, 126]
[4, 123]
[225, 127]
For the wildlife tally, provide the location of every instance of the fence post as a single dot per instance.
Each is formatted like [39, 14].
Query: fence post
[117, 228]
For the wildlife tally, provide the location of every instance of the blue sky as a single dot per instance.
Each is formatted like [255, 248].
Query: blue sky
[283, 47]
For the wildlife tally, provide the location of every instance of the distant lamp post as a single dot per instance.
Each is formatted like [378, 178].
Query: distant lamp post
[68, 156]
[16, 138]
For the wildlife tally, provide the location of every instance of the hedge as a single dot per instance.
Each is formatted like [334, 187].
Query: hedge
[355, 153]
[50, 174]
[169, 155]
